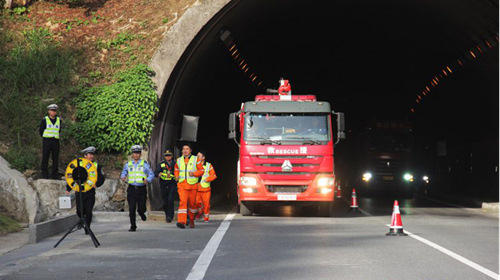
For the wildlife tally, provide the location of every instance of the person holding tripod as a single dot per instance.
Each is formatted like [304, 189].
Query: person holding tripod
[168, 185]
[88, 198]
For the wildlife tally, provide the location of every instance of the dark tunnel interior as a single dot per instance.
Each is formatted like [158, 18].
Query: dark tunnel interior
[367, 58]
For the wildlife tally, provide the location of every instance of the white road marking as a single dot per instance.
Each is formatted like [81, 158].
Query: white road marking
[200, 267]
[444, 250]
[454, 255]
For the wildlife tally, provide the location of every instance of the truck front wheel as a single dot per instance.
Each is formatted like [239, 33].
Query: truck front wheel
[244, 210]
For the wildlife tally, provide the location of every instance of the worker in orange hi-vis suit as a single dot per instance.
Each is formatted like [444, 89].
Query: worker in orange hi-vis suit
[187, 169]
[204, 190]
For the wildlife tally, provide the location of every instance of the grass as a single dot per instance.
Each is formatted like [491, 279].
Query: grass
[35, 71]
[8, 225]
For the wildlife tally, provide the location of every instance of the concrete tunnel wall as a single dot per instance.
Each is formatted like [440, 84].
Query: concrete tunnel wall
[185, 38]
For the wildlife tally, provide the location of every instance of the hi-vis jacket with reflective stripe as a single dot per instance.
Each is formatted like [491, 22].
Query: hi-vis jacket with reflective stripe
[183, 166]
[208, 176]
[137, 172]
[185, 169]
[52, 130]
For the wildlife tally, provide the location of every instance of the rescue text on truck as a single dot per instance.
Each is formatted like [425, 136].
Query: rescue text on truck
[285, 151]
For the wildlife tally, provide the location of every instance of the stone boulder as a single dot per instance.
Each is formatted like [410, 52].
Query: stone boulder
[109, 197]
[49, 192]
[18, 198]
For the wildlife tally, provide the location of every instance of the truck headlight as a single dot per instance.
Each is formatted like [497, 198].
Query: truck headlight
[250, 190]
[326, 182]
[408, 177]
[426, 179]
[367, 176]
[248, 181]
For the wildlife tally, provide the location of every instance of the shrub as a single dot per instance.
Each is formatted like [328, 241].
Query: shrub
[114, 117]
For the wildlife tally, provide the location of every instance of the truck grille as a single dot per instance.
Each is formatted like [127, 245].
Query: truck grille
[286, 189]
[288, 157]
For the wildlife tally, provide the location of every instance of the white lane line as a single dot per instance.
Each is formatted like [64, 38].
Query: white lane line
[200, 267]
[453, 255]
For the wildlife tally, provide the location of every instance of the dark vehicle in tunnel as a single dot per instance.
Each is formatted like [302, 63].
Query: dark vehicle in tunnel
[384, 158]
[285, 152]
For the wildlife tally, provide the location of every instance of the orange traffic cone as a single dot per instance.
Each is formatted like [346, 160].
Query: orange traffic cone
[339, 192]
[396, 223]
[354, 202]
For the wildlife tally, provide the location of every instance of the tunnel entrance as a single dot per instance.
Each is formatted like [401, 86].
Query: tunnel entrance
[365, 58]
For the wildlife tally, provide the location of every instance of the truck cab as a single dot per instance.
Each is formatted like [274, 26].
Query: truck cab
[286, 152]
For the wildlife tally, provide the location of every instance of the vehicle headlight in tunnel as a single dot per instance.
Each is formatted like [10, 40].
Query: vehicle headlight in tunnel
[408, 177]
[325, 190]
[248, 181]
[367, 176]
[250, 190]
[326, 181]
[426, 179]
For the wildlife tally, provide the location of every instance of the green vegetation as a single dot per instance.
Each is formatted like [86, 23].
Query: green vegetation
[34, 72]
[7, 225]
[114, 117]
[121, 39]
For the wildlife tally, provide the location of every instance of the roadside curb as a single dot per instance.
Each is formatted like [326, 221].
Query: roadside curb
[42, 230]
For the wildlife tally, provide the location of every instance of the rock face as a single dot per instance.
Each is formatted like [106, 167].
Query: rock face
[49, 192]
[18, 198]
[34, 201]
[110, 196]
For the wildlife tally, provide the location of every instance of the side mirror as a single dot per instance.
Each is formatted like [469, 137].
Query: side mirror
[340, 127]
[340, 122]
[232, 126]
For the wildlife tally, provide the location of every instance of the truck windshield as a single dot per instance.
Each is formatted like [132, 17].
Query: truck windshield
[390, 142]
[305, 128]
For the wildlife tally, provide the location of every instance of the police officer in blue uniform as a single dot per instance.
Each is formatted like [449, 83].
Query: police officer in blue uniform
[137, 173]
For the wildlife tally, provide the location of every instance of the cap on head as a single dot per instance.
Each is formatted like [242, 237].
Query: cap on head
[168, 153]
[88, 150]
[136, 149]
[53, 107]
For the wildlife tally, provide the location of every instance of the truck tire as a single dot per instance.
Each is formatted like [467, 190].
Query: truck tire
[244, 210]
[325, 209]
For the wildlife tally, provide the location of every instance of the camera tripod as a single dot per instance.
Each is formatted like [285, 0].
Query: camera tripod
[80, 175]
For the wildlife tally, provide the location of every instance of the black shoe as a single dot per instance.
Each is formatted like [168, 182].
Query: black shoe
[169, 220]
[132, 228]
[143, 217]
[181, 225]
[79, 225]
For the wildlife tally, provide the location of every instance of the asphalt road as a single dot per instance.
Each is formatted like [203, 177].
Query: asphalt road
[281, 243]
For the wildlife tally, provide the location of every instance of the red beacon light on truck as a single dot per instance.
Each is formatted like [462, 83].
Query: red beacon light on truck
[284, 94]
[285, 87]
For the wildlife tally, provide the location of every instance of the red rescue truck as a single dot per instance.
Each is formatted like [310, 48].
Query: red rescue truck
[286, 145]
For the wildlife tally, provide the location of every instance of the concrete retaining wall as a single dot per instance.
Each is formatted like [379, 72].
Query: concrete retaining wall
[49, 228]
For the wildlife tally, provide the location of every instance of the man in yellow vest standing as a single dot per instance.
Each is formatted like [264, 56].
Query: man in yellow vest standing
[187, 169]
[50, 129]
[204, 189]
[137, 173]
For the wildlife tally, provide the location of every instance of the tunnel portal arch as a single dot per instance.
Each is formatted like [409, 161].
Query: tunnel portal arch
[203, 20]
